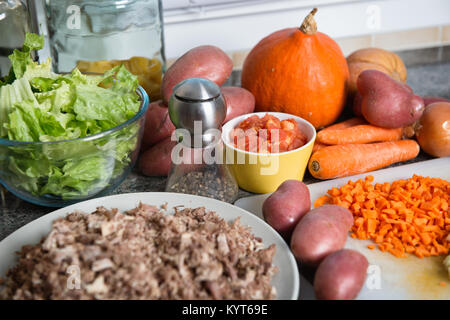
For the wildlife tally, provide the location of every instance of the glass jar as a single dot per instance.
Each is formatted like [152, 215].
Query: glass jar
[14, 24]
[98, 35]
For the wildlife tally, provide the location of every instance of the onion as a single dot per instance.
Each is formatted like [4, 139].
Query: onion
[429, 100]
[433, 132]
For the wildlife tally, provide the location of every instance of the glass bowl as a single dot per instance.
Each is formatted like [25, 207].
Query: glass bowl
[60, 173]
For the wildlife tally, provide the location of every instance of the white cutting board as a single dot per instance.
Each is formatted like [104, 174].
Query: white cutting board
[388, 277]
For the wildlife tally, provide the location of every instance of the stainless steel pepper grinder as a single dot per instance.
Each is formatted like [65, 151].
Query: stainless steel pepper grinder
[198, 107]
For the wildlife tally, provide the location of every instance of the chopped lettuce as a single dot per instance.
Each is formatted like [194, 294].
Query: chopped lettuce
[21, 59]
[40, 106]
[11, 94]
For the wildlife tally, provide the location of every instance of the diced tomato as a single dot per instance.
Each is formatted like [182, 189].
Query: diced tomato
[272, 123]
[288, 124]
[297, 143]
[267, 134]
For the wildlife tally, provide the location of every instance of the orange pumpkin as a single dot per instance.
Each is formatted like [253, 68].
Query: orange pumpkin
[298, 71]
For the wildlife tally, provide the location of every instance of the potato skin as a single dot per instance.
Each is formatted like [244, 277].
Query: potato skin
[157, 160]
[284, 208]
[239, 101]
[207, 62]
[357, 105]
[320, 232]
[387, 103]
[357, 100]
[157, 125]
[341, 275]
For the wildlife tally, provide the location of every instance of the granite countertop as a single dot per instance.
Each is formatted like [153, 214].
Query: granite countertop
[425, 79]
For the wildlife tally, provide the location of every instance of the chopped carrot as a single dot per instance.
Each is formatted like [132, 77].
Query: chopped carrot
[371, 246]
[321, 201]
[405, 216]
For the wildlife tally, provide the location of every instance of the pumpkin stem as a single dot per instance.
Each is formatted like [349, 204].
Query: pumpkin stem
[309, 25]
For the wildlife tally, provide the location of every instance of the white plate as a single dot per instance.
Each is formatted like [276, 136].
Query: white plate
[388, 277]
[286, 281]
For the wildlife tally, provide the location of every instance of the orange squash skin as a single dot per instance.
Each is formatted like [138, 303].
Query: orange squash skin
[297, 73]
[375, 59]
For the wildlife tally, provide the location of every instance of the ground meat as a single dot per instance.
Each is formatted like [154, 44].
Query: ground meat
[143, 254]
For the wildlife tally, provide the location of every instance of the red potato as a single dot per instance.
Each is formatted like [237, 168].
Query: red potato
[207, 62]
[357, 100]
[157, 125]
[357, 105]
[341, 275]
[320, 232]
[387, 103]
[284, 208]
[157, 160]
[239, 101]
[340, 215]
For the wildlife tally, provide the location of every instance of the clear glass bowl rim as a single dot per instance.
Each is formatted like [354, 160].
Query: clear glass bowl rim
[142, 110]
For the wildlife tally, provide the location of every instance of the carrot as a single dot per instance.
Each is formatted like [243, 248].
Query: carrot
[337, 126]
[345, 160]
[410, 131]
[345, 124]
[407, 216]
[365, 133]
[318, 146]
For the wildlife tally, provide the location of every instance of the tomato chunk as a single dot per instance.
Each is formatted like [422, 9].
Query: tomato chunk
[267, 135]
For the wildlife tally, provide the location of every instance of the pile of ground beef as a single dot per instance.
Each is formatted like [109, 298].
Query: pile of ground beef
[143, 253]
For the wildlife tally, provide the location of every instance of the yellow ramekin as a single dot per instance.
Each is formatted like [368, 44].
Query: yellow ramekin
[264, 172]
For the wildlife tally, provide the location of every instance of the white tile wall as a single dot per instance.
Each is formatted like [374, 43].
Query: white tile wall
[354, 23]
[237, 29]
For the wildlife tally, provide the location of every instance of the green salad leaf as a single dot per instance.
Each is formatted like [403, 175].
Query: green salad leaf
[37, 105]
[21, 59]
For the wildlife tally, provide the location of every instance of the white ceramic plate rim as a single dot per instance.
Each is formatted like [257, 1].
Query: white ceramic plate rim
[286, 281]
